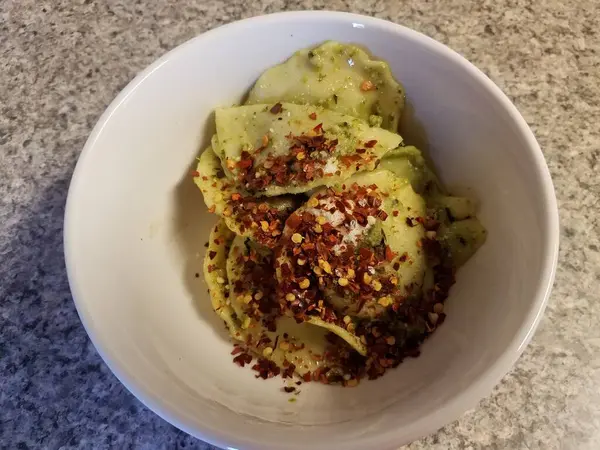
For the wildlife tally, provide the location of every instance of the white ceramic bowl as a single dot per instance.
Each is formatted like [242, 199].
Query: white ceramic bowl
[135, 227]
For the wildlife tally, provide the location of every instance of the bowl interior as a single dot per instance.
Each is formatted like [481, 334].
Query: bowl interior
[136, 227]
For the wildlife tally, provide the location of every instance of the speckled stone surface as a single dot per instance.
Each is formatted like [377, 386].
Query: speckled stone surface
[62, 63]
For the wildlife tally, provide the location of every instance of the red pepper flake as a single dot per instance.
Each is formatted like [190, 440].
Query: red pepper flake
[389, 254]
[293, 221]
[242, 359]
[277, 108]
[382, 215]
[285, 270]
[410, 222]
[288, 372]
[245, 163]
[361, 151]
[395, 213]
[316, 374]
[212, 254]
[313, 116]
[349, 160]
[195, 173]
[212, 209]
[367, 86]
[235, 197]
[318, 128]
[403, 257]
[365, 254]
[371, 143]
[266, 368]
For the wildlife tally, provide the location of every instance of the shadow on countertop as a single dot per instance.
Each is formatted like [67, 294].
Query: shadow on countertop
[55, 391]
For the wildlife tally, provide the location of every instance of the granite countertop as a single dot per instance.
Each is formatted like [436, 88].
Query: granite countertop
[63, 61]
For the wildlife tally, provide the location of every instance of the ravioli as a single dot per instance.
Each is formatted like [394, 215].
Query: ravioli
[398, 231]
[376, 249]
[408, 162]
[286, 148]
[340, 77]
[252, 287]
[253, 295]
[215, 274]
[243, 213]
[460, 233]
[461, 239]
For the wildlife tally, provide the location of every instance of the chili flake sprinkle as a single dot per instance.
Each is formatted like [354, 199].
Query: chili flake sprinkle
[266, 369]
[306, 160]
[265, 221]
[313, 260]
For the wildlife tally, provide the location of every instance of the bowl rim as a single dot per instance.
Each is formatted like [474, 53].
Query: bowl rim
[464, 399]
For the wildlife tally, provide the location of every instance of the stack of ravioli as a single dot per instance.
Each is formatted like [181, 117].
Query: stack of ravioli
[336, 244]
